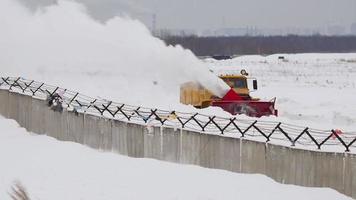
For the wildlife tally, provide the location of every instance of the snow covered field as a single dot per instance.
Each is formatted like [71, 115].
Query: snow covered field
[315, 90]
[50, 169]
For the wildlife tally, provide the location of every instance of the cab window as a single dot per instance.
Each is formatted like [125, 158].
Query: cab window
[240, 83]
[235, 82]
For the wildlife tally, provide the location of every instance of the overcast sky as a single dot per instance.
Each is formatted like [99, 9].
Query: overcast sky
[214, 14]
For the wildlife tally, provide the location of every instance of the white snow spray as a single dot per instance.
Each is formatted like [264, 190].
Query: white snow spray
[119, 59]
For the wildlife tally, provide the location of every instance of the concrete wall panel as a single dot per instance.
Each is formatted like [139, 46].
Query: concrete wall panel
[75, 127]
[105, 134]
[304, 167]
[329, 169]
[170, 145]
[91, 131]
[24, 111]
[14, 99]
[253, 157]
[63, 117]
[350, 175]
[153, 143]
[211, 154]
[97, 132]
[37, 116]
[135, 140]
[190, 147]
[229, 148]
[119, 137]
[279, 164]
[55, 124]
[4, 102]
[219, 152]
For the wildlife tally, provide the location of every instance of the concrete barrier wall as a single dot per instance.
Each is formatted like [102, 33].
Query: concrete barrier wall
[283, 164]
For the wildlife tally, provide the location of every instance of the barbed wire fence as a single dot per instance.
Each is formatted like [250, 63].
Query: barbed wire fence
[264, 131]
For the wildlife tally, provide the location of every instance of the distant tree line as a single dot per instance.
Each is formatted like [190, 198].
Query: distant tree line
[237, 45]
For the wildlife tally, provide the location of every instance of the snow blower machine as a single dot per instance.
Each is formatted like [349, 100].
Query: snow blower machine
[236, 101]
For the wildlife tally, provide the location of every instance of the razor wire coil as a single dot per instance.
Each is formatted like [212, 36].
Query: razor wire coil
[267, 131]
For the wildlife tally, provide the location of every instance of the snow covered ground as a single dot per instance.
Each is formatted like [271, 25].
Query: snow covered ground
[315, 90]
[51, 169]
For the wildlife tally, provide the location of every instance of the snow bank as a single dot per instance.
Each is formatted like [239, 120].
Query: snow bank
[50, 169]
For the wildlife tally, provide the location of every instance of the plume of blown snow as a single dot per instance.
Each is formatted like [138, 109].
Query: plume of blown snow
[119, 59]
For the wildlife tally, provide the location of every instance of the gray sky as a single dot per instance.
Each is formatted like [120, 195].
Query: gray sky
[215, 14]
